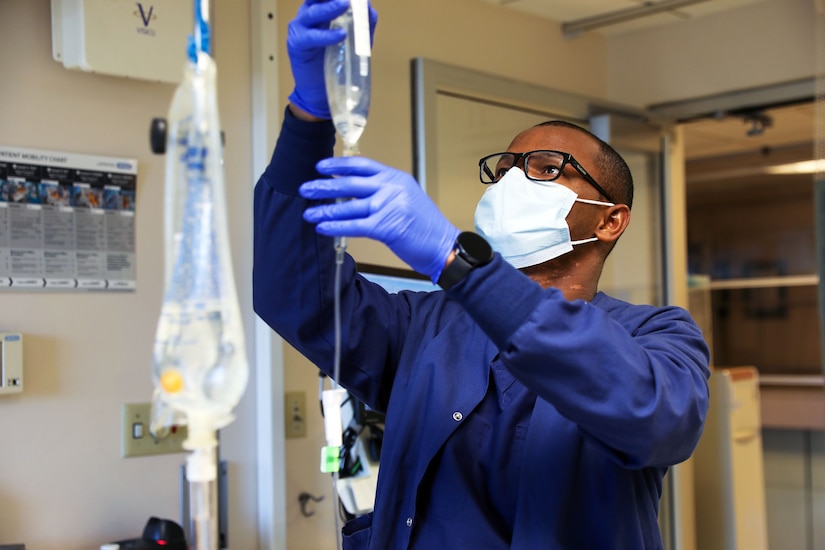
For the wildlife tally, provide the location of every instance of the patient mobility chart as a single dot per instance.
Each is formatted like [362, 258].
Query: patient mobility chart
[67, 221]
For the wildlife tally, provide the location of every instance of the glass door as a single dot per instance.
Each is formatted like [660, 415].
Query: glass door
[635, 271]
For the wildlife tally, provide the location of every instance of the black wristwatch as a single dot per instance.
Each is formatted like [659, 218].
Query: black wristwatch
[471, 250]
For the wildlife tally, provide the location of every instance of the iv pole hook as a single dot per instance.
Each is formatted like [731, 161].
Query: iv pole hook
[303, 498]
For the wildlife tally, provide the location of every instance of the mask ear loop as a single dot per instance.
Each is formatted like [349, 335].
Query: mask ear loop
[597, 203]
[584, 241]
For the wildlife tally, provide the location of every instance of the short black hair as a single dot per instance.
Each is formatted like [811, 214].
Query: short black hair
[612, 167]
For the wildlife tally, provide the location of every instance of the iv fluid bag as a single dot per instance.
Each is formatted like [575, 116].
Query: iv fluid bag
[200, 367]
[347, 77]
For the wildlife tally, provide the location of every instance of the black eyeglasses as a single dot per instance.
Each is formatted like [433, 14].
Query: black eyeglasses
[538, 166]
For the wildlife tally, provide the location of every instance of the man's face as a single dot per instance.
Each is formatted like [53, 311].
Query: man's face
[582, 218]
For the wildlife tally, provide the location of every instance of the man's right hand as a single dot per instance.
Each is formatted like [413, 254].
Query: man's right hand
[307, 38]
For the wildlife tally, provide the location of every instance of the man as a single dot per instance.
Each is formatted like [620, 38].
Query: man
[524, 409]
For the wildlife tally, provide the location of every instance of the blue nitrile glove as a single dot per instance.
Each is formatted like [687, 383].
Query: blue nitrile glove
[387, 205]
[307, 38]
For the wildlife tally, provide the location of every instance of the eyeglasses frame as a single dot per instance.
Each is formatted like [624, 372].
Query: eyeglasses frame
[567, 158]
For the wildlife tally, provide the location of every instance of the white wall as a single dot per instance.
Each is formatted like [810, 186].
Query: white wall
[769, 42]
[63, 484]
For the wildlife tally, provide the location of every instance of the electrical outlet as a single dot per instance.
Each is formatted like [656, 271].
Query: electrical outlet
[295, 410]
[137, 439]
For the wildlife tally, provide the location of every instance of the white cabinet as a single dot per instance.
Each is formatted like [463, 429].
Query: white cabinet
[729, 466]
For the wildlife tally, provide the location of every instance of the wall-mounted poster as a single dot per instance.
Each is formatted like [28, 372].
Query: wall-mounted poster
[67, 221]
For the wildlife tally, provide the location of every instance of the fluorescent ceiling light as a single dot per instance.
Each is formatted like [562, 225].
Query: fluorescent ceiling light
[574, 28]
[793, 168]
[804, 167]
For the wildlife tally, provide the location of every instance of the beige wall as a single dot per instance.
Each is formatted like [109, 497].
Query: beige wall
[63, 484]
[470, 34]
[764, 43]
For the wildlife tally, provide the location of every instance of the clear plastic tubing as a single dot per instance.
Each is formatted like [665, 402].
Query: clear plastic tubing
[347, 77]
[348, 84]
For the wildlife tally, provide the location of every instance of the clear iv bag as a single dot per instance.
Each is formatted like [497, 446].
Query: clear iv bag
[347, 76]
[200, 367]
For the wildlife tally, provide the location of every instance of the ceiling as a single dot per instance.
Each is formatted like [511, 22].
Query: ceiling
[781, 128]
[723, 159]
[730, 147]
[566, 11]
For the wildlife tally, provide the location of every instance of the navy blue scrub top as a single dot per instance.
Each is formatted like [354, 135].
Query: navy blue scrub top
[474, 474]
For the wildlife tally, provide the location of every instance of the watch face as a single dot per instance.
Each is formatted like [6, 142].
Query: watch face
[474, 248]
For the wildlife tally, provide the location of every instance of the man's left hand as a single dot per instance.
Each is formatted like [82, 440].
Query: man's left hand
[385, 204]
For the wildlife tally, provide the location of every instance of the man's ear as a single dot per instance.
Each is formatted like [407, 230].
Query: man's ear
[613, 223]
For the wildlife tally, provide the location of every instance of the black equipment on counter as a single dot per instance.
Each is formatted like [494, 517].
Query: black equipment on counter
[158, 533]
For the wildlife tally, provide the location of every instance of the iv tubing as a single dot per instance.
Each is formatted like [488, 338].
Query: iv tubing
[340, 250]
[350, 149]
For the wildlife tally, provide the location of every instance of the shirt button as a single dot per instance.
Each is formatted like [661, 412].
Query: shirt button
[457, 416]
[409, 522]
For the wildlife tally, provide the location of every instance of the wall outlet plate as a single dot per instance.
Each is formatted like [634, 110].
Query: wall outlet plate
[295, 414]
[136, 438]
[11, 363]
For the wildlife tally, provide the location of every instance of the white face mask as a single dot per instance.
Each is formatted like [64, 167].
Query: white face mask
[525, 220]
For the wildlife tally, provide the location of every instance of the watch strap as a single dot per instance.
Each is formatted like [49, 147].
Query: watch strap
[454, 272]
[471, 250]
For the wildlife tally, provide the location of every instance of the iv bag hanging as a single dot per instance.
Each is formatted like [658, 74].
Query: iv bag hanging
[347, 75]
[200, 365]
